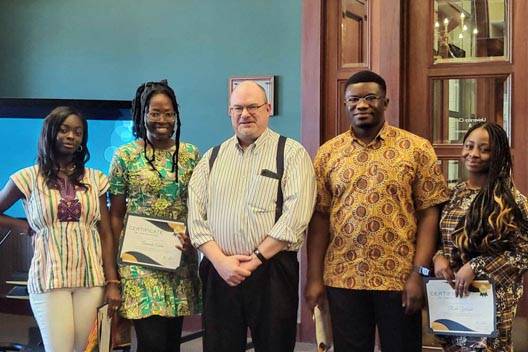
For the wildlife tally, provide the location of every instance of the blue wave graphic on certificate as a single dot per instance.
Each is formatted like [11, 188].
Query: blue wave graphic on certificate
[449, 325]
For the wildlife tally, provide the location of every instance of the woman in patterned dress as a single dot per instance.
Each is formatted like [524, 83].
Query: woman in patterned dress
[65, 206]
[484, 230]
[149, 176]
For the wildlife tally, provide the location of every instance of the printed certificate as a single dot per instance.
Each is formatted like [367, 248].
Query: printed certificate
[472, 315]
[151, 242]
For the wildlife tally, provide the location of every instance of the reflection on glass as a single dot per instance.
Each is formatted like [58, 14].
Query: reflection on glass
[467, 29]
[460, 103]
[354, 30]
[454, 171]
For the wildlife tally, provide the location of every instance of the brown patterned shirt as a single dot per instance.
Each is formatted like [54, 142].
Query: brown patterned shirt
[371, 194]
[505, 269]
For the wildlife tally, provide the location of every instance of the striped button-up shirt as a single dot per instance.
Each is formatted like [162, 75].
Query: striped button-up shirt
[234, 204]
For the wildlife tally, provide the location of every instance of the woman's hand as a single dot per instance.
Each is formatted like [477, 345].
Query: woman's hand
[442, 269]
[463, 278]
[185, 241]
[112, 297]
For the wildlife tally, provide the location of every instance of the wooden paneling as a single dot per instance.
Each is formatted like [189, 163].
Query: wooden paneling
[400, 49]
[420, 71]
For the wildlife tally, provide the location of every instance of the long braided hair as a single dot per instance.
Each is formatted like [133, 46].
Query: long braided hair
[48, 157]
[140, 105]
[493, 216]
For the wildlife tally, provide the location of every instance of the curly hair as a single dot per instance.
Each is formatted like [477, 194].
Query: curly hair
[48, 156]
[140, 105]
[494, 215]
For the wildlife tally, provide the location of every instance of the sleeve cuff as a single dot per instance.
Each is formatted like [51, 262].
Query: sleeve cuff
[477, 265]
[285, 234]
[197, 241]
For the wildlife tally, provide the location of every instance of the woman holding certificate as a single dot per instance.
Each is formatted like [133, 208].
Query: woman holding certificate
[484, 230]
[65, 205]
[149, 177]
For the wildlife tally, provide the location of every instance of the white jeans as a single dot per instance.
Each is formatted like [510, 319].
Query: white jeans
[66, 316]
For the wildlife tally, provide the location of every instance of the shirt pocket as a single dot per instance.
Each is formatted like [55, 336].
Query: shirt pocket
[262, 194]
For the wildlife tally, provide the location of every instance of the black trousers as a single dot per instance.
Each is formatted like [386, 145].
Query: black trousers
[266, 303]
[158, 334]
[355, 314]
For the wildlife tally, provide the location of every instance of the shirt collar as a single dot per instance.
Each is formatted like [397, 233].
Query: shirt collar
[261, 140]
[382, 134]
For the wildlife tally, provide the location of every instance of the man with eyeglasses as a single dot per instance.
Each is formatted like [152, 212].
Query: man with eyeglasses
[374, 229]
[250, 201]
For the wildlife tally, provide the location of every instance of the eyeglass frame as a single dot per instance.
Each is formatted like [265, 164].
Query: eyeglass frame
[370, 99]
[251, 109]
[159, 116]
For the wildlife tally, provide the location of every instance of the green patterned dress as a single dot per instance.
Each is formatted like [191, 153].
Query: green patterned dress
[147, 292]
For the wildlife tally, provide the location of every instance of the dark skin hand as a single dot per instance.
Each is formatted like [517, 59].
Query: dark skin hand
[317, 244]
[112, 291]
[443, 270]
[463, 279]
[426, 238]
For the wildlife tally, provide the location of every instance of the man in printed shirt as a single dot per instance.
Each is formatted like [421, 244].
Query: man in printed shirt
[374, 228]
[250, 269]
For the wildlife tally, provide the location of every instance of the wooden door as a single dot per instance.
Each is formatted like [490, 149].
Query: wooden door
[401, 41]
[466, 62]
[359, 36]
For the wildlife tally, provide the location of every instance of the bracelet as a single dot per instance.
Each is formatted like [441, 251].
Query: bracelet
[117, 282]
[260, 256]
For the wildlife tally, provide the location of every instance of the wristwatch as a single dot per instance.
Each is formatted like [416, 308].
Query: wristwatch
[422, 270]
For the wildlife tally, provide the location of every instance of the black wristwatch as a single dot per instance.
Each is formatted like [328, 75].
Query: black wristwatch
[259, 255]
[422, 270]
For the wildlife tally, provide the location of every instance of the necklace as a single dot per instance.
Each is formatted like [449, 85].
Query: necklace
[68, 170]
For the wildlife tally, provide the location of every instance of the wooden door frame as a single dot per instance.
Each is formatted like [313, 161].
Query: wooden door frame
[312, 96]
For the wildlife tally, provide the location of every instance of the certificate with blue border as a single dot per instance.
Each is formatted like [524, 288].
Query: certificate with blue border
[151, 242]
[471, 315]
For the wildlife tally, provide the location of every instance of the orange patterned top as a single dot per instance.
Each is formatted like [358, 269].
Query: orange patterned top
[371, 193]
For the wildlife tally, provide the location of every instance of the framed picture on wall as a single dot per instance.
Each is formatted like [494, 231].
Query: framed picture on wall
[266, 82]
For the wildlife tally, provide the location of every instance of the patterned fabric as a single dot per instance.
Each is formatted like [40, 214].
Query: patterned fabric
[66, 254]
[505, 270]
[251, 194]
[69, 208]
[371, 193]
[146, 291]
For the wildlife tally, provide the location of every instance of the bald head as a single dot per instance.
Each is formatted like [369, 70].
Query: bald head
[250, 112]
[251, 87]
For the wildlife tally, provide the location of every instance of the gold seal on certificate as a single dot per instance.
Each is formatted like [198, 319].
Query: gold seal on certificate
[151, 242]
[471, 315]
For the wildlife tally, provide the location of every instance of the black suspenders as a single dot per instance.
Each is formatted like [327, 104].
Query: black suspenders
[280, 172]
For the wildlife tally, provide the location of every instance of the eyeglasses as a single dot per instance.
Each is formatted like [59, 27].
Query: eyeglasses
[369, 99]
[239, 109]
[158, 116]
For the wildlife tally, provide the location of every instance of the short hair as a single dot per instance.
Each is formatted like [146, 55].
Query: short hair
[367, 77]
[255, 83]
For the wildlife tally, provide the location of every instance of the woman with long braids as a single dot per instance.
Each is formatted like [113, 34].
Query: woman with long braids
[65, 206]
[149, 176]
[484, 230]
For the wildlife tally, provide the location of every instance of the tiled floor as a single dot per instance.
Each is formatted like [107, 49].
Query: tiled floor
[14, 328]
